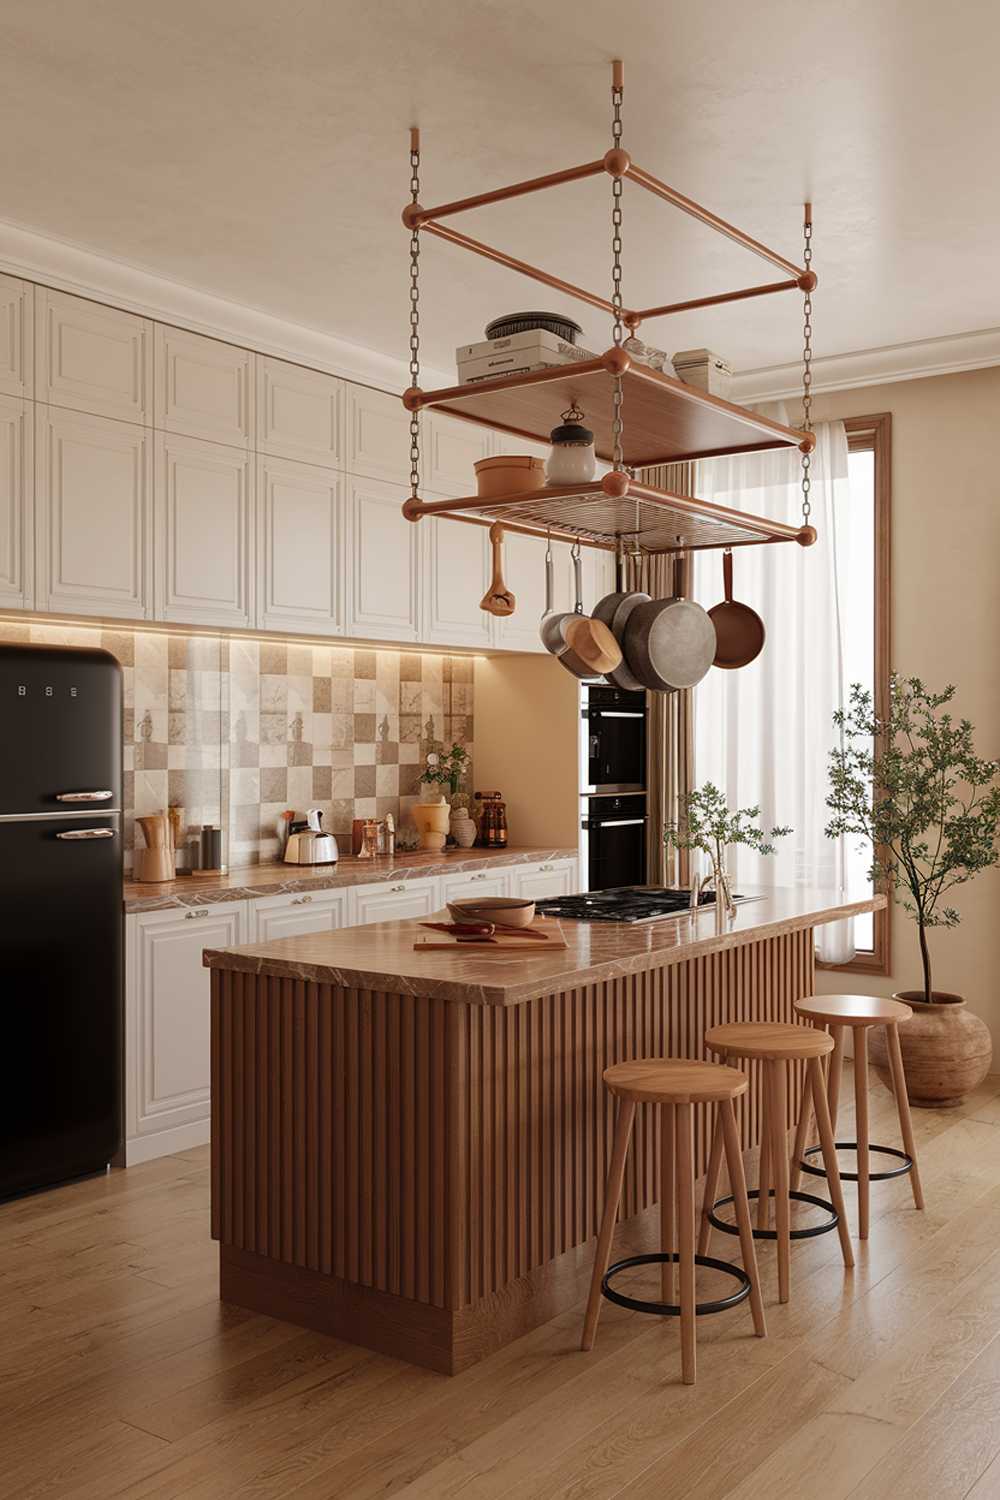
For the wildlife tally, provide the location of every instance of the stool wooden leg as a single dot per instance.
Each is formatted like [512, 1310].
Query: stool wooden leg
[764, 1164]
[612, 1196]
[667, 1200]
[778, 1105]
[801, 1136]
[685, 1237]
[903, 1110]
[711, 1187]
[861, 1108]
[815, 1087]
[738, 1188]
[835, 1072]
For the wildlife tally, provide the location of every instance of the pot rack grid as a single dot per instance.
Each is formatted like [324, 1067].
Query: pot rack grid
[669, 421]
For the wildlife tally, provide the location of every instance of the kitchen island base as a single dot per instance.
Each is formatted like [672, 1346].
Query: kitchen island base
[424, 1175]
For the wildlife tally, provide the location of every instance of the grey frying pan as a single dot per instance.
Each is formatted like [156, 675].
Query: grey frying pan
[669, 643]
[739, 630]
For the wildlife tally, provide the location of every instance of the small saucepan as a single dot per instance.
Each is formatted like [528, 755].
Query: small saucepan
[669, 643]
[739, 630]
[584, 646]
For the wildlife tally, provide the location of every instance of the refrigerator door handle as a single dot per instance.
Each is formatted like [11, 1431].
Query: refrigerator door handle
[84, 796]
[86, 833]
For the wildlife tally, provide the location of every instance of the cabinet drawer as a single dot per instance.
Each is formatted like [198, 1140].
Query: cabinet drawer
[394, 901]
[468, 886]
[282, 916]
[551, 878]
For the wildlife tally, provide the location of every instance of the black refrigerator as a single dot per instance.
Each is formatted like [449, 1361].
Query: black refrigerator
[61, 921]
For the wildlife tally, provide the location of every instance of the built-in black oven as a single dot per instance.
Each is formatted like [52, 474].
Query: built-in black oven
[614, 724]
[613, 840]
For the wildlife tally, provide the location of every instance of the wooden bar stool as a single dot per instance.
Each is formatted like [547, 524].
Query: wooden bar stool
[861, 1012]
[676, 1085]
[776, 1046]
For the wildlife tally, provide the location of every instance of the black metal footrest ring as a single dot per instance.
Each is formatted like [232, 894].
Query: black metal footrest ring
[808, 1233]
[672, 1309]
[808, 1166]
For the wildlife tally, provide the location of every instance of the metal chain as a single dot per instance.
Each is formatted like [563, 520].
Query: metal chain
[618, 332]
[807, 331]
[414, 324]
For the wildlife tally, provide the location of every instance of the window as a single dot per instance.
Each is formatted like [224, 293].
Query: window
[867, 635]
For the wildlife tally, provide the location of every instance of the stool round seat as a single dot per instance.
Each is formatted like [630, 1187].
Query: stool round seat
[853, 1010]
[674, 1080]
[774, 1041]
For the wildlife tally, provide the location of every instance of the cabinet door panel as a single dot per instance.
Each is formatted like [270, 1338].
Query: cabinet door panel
[378, 435]
[394, 903]
[475, 883]
[275, 917]
[92, 358]
[17, 337]
[383, 548]
[172, 1011]
[300, 546]
[300, 414]
[452, 448]
[93, 503]
[456, 574]
[203, 387]
[16, 503]
[524, 572]
[554, 878]
[203, 508]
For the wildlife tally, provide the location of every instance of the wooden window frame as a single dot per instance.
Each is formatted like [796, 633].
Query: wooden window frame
[874, 434]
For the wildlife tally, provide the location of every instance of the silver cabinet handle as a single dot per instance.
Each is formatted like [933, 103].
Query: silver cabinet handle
[546, 867]
[190, 915]
[616, 822]
[301, 900]
[484, 875]
[87, 833]
[393, 888]
[84, 796]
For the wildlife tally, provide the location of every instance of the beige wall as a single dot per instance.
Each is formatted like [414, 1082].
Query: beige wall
[528, 712]
[945, 624]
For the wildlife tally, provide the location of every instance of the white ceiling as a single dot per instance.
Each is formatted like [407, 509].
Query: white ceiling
[257, 149]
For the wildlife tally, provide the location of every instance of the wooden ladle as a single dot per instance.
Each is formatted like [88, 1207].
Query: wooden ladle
[498, 599]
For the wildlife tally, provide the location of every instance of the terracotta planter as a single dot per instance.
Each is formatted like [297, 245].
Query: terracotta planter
[946, 1050]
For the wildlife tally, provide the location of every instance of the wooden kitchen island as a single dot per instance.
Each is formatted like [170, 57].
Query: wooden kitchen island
[409, 1150]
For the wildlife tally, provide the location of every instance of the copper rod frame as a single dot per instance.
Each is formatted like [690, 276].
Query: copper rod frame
[488, 252]
[591, 491]
[544, 533]
[708, 510]
[515, 190]
[675, 307]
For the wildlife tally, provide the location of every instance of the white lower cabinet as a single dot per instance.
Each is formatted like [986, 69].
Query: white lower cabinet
[394, 901]
[168, 1064]
[557, 877]
[274, 917]
[475, 883]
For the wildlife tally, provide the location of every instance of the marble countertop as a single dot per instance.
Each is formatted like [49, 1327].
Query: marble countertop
[381, 956]
[277, 879]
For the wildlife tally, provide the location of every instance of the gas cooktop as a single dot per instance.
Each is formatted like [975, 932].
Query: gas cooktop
[625, 903]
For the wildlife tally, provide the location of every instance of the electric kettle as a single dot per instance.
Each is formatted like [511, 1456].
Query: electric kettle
[308, 844]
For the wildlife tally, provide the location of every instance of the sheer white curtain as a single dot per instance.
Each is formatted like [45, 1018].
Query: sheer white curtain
[763, 733]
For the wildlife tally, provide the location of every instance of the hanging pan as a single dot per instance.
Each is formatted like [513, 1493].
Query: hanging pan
[669, 643]
[739, 629]
[582, 645]
[614, 610]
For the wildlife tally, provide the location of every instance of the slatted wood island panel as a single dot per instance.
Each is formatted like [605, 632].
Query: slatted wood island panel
[409, 1150]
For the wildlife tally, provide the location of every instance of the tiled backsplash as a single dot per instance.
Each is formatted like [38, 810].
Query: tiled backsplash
[235, 730]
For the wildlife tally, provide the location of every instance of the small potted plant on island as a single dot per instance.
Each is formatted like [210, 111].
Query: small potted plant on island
[913, 788]
[708, 825]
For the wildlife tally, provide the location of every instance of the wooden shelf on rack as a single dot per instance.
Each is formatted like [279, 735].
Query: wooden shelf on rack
[666, 421]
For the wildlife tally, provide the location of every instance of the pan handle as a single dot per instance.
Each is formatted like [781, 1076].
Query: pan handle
[578, 576]
[549, 590]
[727, 574]
[619, 566]
[679, 569]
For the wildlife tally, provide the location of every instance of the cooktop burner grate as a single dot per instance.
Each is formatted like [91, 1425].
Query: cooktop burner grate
[627, 903]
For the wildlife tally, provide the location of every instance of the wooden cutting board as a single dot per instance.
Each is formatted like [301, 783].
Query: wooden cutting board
[512, 941]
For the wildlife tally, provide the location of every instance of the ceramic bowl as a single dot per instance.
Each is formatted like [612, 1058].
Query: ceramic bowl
[505, 911]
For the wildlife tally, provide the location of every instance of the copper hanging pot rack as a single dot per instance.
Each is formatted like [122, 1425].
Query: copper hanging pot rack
[668, 421]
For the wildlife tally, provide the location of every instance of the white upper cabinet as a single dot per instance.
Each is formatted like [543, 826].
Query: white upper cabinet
[456, 574]
[204, 388]
[16, 504]
[300, 414]
[93, 514]
[524, 574]
[92, 358]
[451, 449]
[17, 337]
[300, 547]
[204, 505]
[378, 429]
[383, 551]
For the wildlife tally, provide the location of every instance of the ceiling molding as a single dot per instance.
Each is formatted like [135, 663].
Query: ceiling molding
[70, 268]
[842, 372]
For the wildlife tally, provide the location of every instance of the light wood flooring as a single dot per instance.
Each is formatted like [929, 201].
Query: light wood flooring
[122, 1375]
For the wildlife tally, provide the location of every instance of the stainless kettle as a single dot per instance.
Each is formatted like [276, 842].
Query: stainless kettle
[307, 843]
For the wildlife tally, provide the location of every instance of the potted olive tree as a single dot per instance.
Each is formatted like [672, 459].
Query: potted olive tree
[913, 788]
